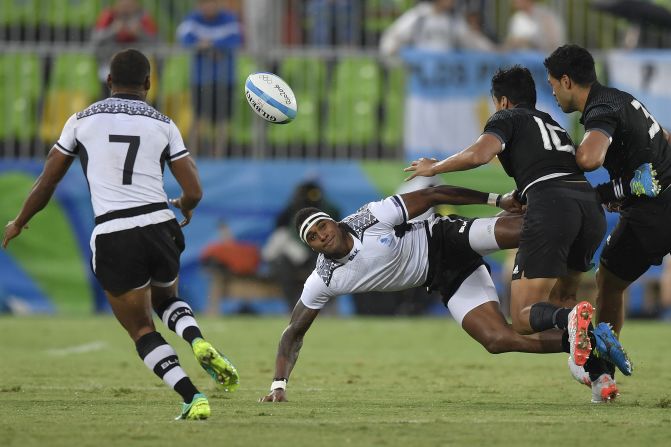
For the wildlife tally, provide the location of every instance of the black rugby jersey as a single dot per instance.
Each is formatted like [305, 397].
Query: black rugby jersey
[636, 136]
[535, 147]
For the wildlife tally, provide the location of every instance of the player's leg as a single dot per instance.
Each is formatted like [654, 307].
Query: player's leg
[178, 316]
[610, 298]
[133, 310]
[122, 264]
[166, 244]
[475, 306]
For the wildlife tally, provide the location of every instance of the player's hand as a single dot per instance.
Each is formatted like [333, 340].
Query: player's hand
[278, 395]
[188, 214]
[422, 167]
[510, 203]
[11, 231]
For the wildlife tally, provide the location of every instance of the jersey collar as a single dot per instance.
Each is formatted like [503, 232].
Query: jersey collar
[594, 88]
[126, 96]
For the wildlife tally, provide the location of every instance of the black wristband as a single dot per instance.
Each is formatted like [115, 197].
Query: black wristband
[498, 201]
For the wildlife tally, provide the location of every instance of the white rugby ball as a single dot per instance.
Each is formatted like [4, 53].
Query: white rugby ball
[271, 98]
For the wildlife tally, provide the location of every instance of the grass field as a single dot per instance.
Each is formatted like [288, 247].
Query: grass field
[364, 382]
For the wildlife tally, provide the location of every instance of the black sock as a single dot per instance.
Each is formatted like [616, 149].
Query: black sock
[178, 316]
[564, 342]
[560, 317]
[162, 359]
[542, 316]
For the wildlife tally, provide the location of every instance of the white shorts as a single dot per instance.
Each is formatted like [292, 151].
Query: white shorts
[477, 289]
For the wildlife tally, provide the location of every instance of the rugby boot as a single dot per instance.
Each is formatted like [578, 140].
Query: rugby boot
[216, 364]
[609, 348]
[645, 181]
[604, 389]
[198, 408]
[578, 336]
[579, 373]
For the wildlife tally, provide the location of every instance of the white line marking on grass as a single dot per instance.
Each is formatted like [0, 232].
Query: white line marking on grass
[78, 349]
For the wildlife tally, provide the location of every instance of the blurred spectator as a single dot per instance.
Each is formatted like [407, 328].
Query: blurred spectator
[263, 29]
[534, 27]
[333, 22]
[432, 25]
[227, 261]
[124, 24]
[291, 261]
[380, 14]
[641, 33]
[214, 34]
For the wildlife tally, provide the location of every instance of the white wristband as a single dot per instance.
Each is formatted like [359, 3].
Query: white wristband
[493, 198]
[278, 385]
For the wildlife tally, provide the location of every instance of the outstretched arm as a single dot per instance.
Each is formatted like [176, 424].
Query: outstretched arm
[55, 167]
[417, 202]
[288, 349]
[479, 153]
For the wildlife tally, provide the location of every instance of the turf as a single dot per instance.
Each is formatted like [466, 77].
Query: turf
[77, 381]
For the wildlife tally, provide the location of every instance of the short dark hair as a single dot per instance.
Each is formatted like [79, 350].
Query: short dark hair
[303, 214]
[129, 68]
[574, 61]
[516, 83]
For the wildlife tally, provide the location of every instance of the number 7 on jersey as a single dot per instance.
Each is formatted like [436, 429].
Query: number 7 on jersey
[133, 142]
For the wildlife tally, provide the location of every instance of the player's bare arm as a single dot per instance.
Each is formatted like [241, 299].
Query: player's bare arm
[479, 153]
[288, 349]
[186, 174]
[55, 167]
[419, 201]
[591, 153]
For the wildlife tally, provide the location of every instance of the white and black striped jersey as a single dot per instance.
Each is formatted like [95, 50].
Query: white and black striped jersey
[636, 136]
[535, 147]
[380, 260]
[123, 144]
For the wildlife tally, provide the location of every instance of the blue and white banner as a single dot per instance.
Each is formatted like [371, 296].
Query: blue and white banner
[449, 101]
[645, 74]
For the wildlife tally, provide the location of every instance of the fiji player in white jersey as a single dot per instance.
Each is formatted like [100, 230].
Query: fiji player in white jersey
[123, 145]
[380, 248]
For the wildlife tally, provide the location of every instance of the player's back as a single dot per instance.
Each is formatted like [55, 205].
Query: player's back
[535, 147]
[636, 135]
[123, 145]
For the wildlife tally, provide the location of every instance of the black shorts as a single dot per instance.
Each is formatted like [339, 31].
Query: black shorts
[213, 102]
[563, 226]
[128, 259]
[451, 258]
[641, 238]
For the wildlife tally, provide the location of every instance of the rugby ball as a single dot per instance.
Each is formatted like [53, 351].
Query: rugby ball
[271, 98]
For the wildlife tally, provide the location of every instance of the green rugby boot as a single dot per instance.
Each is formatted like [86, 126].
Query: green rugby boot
[197, 409]
[216, 364]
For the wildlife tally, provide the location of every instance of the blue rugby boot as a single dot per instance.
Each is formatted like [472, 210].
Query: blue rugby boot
[645, 181]
[609, 348]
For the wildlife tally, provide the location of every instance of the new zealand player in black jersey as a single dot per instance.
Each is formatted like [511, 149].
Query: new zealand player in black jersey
[620, 134]
[564, 222]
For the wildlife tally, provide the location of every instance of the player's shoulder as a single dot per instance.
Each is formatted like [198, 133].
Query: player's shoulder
[604, 100]
[125, 106]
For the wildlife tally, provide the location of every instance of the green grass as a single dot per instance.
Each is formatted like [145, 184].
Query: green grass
[358, 382]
